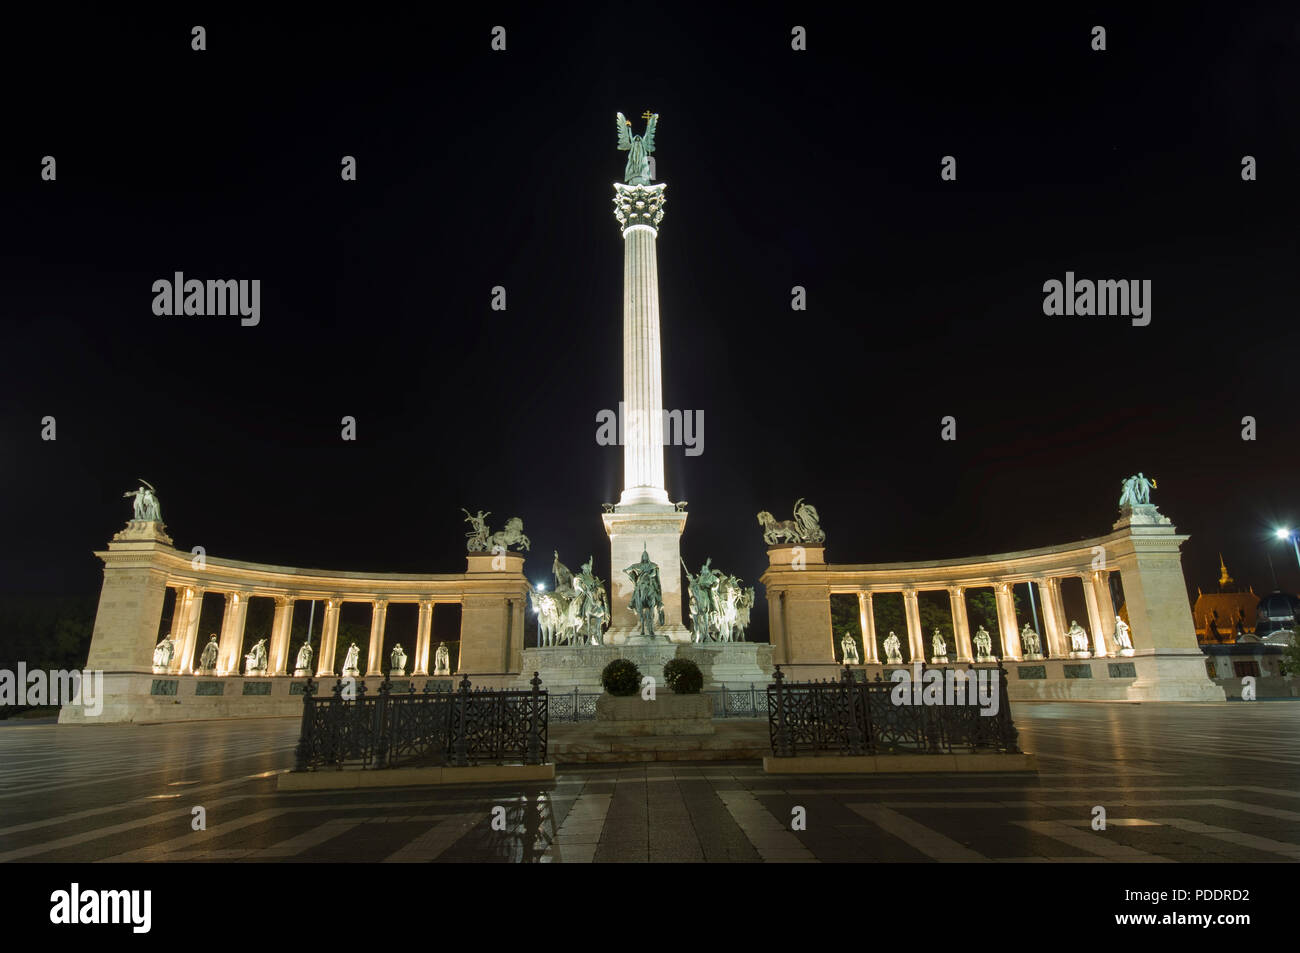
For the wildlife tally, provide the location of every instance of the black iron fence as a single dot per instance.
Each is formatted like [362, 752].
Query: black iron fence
[850, 716]
[748, 702]
[468, 726]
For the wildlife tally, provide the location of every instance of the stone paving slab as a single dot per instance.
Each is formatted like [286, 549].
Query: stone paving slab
[1178, 783]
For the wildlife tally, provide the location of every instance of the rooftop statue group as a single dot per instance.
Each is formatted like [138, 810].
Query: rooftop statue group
[804, 528]
[720, 605]
[576, 611]
[1136, 491]
[146, 503]
[483, 540]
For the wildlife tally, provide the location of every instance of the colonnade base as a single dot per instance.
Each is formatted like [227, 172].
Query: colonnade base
[1165, 677]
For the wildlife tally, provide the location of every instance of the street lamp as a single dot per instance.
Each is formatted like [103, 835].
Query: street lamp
[1290, 534]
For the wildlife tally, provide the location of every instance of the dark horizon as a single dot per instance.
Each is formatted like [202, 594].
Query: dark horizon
[819, 169]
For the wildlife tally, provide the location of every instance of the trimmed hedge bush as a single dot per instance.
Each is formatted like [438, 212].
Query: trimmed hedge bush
[621, 678]
[683, 676]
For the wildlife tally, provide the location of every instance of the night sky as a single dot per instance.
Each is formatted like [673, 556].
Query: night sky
[479, 168]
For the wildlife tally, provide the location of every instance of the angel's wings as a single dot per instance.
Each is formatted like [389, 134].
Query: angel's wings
[648, 140]
[624, 137]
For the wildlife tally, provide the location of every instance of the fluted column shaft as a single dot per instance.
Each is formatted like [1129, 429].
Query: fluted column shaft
[867, 622]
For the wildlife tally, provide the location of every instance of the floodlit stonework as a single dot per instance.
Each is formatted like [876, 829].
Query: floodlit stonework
[141, 564]
[1165, 665]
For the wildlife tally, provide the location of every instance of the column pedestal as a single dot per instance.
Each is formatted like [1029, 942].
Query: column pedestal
[656, 529]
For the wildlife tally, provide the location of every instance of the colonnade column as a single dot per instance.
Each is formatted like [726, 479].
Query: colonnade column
[422, 633]
[776, 625]
[1050, 592]
[328, 637]
[1101, 611]
[378, 619]
[1006, 603]
[179, 610]
[191, 630]
[915, 640]
[281, 624]
[232, 632]
[180, 621]
[867, 622]
[960, 624]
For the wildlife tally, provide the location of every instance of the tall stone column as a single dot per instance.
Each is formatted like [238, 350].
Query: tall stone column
[1007, 622]
[776, 625]
[329, 637]
[180, 622]
[375, 652]
[915, 638]
[281, 626]
[867, 622]
[1095, 624]
[643, 519]
[191, 631]
[177, 633]
[232, 633]
[1100, 584]
[960, 624]
[1049, 591]
[423, 631]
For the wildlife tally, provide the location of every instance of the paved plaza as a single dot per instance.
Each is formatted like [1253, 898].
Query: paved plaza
[1179, 782]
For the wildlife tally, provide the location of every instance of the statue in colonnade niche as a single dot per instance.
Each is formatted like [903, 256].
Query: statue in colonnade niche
[938, 647]
[1078, 640]
[163, 653]
[255, 660]
[1122, 638]
[208, 660]
[146, 504]
[983, 646]
[804, 528]
[352, 661]
[893, 655]
[398, 661]
[1030, 643]
[303, 665]
[647, 594]
[442, 660]
[850, 649]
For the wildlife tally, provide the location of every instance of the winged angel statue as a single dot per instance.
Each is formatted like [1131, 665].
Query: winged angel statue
[638, 149]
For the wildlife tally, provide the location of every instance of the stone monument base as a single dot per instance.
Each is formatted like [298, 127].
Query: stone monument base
[733, 664]
[666, 714]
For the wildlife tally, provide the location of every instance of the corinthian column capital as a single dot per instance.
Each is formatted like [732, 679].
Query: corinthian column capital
[639, 205]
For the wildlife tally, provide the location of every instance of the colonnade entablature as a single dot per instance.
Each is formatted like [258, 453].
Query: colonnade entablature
[141, 564]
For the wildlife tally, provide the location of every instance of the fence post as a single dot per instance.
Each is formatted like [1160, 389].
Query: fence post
[381, 723]
[534, 743]
[855, 731]
[302, 757]
[335, 719]
[783, 749]
[1007, 733]
[458, 727]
